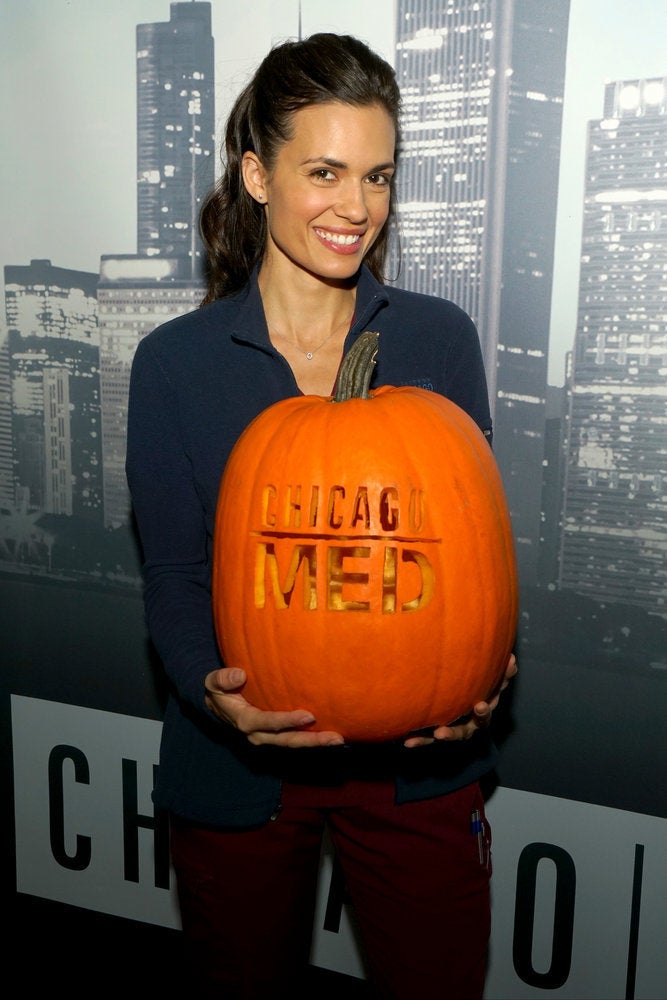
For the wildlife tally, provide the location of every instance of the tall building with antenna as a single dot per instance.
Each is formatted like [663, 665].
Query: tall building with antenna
[175, 131]
[176, 170]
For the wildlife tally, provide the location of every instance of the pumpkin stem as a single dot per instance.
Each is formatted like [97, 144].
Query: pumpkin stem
[356, 370]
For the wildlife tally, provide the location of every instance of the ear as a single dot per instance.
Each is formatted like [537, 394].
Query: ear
[254, 177]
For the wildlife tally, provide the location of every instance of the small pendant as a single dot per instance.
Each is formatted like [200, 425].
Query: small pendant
[309, 355]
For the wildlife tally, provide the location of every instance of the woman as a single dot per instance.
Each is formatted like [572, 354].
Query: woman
[296, 235]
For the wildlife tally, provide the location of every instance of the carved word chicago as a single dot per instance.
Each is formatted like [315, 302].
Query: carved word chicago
[356, 550]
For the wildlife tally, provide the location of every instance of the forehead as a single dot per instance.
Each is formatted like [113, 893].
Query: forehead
[330, 129]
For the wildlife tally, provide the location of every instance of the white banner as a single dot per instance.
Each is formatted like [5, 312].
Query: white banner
[86, 832]
[579, 900]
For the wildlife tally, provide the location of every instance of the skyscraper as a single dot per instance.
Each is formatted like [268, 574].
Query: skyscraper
[535, 109]
[446, 65]
[482, 84]
[135, 294]
[53, 354]
[175, 131]
[175, 155]
[6, 474]
[614, 544]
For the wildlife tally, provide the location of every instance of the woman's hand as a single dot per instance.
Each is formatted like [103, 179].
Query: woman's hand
[283, 729]
[479, 718]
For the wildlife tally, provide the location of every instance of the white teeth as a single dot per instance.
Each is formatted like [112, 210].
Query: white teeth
[342, 241]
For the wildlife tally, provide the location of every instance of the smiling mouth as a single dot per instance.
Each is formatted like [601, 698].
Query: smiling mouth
[338, 238]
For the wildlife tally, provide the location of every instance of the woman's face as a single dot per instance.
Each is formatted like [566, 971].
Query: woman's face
[327, 196]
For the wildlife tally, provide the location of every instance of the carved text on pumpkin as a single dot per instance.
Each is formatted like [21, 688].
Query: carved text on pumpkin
[356, 577]
[368, 508]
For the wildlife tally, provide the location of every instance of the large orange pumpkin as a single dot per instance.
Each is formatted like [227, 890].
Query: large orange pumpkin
[363, 559]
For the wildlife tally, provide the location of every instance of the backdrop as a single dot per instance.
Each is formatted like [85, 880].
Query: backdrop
[533, 190]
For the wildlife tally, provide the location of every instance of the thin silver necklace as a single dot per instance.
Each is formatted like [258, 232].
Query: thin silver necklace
[308, 355]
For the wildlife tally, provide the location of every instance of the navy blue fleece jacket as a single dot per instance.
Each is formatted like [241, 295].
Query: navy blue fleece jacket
[196, 383]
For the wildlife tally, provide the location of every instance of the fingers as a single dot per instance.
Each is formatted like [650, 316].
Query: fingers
[284, 729]
[479, 718]
[252, 720]
[418, 741]
[511, 670]
[450, 734]
[288, 729]
[296, 738]
[224, 680]
[445, 734]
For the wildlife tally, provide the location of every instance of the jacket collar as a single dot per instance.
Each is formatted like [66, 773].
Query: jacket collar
[250, 326]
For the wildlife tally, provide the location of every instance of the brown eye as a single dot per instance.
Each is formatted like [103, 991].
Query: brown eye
[379, 180]
[323, 174]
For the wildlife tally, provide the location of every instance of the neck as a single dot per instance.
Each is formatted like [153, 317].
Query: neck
[306, 312]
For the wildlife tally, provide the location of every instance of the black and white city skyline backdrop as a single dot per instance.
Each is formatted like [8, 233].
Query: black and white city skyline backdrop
[68, 75]
[619, 470]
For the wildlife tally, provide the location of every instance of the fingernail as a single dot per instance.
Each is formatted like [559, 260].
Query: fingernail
[306, 720]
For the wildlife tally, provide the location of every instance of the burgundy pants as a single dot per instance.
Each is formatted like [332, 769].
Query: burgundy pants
[417, 874]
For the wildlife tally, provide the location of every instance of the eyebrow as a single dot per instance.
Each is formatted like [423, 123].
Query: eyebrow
[344, 166]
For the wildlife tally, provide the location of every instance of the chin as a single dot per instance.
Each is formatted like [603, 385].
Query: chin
[335, 272]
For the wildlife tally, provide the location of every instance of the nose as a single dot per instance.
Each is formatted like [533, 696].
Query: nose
[351, 204]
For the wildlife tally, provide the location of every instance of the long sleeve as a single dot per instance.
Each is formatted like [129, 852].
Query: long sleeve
[466, 383]
[172, 528]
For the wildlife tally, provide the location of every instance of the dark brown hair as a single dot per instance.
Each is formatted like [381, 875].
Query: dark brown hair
[325, 67]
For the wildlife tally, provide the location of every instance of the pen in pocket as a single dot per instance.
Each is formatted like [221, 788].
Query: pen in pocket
[477, 830]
